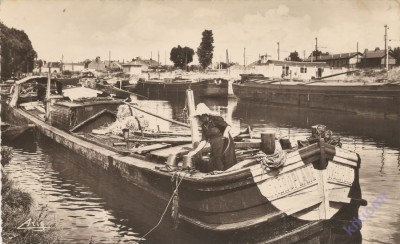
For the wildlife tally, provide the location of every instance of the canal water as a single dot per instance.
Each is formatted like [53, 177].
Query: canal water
[87, 204]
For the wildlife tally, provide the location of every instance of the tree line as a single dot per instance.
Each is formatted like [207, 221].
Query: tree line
[182, 56]
[17, 53]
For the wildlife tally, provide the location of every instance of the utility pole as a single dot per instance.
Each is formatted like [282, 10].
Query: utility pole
[357, 56]
[244, 60]
[109, 60]
[227, 62]
[316, 48]
[304, 55]
[386, 48]
[278, 50]
[158, 59]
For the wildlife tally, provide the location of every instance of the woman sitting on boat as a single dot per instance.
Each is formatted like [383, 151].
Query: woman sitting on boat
[217, 132]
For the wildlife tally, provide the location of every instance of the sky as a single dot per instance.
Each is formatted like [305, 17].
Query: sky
[75, 30]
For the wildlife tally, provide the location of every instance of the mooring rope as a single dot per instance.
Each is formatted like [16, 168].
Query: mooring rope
[166, 208]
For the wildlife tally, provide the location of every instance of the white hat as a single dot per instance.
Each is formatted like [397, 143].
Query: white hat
[202, 109]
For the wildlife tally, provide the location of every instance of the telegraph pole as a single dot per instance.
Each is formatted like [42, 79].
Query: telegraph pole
[357, 56]
[244, 60]
[278, 50]
[316, 48]
[386, 48]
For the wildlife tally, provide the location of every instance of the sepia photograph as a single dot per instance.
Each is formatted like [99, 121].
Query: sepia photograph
[200, 121]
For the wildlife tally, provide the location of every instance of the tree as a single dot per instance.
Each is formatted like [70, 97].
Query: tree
[396, 54]
[206, 48]
[39, 64]
[17, 53]
[87, 62]
[294, 56]
[181, 56]
[317, 53]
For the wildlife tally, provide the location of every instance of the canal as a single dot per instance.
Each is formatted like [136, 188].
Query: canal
[86, 204]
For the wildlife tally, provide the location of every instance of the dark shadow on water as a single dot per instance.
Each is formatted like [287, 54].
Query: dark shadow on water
[366, 127]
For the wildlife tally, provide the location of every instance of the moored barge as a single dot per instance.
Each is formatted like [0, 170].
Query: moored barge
[360, 98]
[167, 88]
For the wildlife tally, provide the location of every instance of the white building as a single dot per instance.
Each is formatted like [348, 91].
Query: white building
[291, 69]
[132, 68]
[73, 66]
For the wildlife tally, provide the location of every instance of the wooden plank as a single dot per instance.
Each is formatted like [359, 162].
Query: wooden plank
[164, 140]
[157, 116]
[178, 150]
[149, 148]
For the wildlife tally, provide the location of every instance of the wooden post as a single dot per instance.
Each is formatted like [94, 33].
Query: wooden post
[48, 100]
[194, 122]
[268, 143]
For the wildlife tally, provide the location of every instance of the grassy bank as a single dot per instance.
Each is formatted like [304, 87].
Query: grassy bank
[16, 209]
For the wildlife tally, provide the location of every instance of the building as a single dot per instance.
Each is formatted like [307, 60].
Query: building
[346, 60]
[289, 69]
[116, 66]
[74, 67]
[55, 67]
[99, 65]
[377, 59]
[133, 68]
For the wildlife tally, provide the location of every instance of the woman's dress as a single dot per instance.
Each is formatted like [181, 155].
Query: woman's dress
[222, 155]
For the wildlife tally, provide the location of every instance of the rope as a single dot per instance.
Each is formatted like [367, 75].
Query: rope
[322, 132]
[227, 146]
[270, 162]
[166, 208]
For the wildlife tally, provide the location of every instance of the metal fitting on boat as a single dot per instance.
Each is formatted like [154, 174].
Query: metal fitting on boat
[171, 161]
[187, 162]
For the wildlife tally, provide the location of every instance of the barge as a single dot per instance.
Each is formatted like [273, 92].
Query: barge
[247, 203]
[360, 98]
[168, 88]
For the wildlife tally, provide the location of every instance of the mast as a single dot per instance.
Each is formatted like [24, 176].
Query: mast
[48, 93]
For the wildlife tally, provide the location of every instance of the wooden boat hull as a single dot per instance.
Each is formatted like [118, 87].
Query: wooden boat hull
[363, 99]
[244, 205]
[164, 90]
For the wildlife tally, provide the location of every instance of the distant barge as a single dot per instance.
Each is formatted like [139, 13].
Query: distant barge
[376, 98]
[167, 88]
[246, 203]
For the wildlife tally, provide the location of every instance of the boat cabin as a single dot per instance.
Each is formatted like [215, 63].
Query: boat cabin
[33, 88]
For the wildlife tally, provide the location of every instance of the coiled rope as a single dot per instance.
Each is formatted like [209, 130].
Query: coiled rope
[270, 162]
[175, 192]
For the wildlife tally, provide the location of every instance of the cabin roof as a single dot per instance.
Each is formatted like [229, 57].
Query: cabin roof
[29, 78]
[336, 56]
[80, 92]
[133, 63]
[376, 54]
